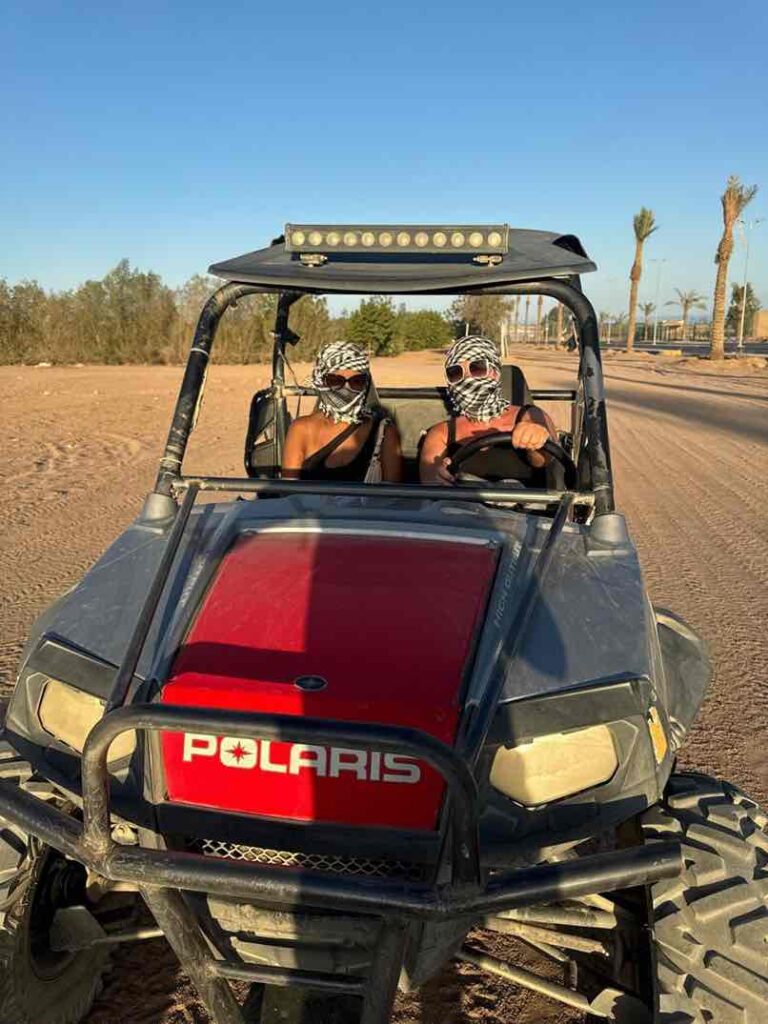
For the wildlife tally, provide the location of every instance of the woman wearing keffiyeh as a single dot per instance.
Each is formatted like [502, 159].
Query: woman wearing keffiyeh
[343, 439]
[473, 376]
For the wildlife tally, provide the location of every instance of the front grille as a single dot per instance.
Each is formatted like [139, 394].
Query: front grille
[332, 863]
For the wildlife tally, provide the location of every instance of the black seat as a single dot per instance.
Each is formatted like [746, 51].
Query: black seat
[261, 437]
[515, 386]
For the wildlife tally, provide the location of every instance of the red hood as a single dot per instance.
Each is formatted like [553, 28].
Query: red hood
[387, 622]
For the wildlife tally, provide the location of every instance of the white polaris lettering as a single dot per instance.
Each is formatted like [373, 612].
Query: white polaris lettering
[238, 753]
[267, 764]
[400, 769]
[343, 760]
[197, 744]
[314, 758]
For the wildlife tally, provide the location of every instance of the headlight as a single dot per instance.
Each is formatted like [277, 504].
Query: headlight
[555, 766]
[69, 714]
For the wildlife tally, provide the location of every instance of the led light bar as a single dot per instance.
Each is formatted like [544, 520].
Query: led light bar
[475, 239]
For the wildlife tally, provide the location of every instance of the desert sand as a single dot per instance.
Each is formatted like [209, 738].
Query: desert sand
[690, 451]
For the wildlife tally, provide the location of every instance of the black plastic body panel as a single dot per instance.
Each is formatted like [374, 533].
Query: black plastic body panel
[687, 668]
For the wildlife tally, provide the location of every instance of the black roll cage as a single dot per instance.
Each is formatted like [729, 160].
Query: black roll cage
[595, 448]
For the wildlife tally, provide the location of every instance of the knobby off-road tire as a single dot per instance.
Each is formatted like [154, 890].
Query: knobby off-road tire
[60, 989]
[710, 925]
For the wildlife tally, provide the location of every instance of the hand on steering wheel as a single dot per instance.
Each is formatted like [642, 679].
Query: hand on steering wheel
[529, 436]
[503, 439]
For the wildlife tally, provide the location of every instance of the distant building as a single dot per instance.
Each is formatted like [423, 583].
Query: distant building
[671, 330]
[760, 324]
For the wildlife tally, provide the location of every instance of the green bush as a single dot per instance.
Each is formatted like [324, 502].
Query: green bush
[131, 316]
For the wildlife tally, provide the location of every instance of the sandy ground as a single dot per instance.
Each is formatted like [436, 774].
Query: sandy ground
[690, 451]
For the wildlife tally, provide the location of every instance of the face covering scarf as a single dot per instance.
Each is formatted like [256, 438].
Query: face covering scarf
[478, 400]
[342, 405]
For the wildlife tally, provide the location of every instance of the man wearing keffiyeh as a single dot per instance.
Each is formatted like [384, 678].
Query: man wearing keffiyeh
[473, 376]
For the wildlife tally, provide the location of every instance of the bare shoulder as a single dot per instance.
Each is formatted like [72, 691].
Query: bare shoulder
[305, 427]
[305, 422]
[437, 432]
[302, 437]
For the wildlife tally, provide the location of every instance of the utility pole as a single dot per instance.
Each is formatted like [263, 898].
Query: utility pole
[658, 292]
[527, 311]
[746, 231]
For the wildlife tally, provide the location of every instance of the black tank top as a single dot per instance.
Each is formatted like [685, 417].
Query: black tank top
[494, 464]
[314, 467]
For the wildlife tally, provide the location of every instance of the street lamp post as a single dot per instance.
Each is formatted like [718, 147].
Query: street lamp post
[745, 236]
[658, 293]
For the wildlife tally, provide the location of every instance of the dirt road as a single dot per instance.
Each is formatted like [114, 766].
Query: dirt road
[690, 451]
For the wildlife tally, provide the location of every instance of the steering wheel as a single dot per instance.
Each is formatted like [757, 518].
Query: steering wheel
[503, 439]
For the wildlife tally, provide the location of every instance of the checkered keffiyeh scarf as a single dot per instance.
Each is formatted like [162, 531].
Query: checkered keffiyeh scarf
[478, 400]
[343, 405]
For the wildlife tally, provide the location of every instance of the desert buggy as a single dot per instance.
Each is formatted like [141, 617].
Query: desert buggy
[487, 746]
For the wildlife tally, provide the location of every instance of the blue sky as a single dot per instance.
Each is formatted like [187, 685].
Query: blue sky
[178, 134]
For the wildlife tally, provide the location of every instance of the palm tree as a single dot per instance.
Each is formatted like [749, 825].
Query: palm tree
[734, 200]
[687, 301]
[559, 327]
[648, 310]
[539, 308]
[644, 225]
[618, 323]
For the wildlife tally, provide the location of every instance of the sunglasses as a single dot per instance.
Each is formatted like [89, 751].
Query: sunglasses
[335, 381]
[477, 369]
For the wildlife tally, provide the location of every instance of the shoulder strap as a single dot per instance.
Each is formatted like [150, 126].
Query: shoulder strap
[451, 431]
[521, 412]
[322, 453]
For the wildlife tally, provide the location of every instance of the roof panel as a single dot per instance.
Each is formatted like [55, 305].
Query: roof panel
[532, 255]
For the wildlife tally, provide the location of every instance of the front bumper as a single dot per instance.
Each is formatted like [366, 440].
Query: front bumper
[467, 895]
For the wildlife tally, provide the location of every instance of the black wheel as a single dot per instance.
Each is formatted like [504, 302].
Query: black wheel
[38, 983]
[710, 925]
